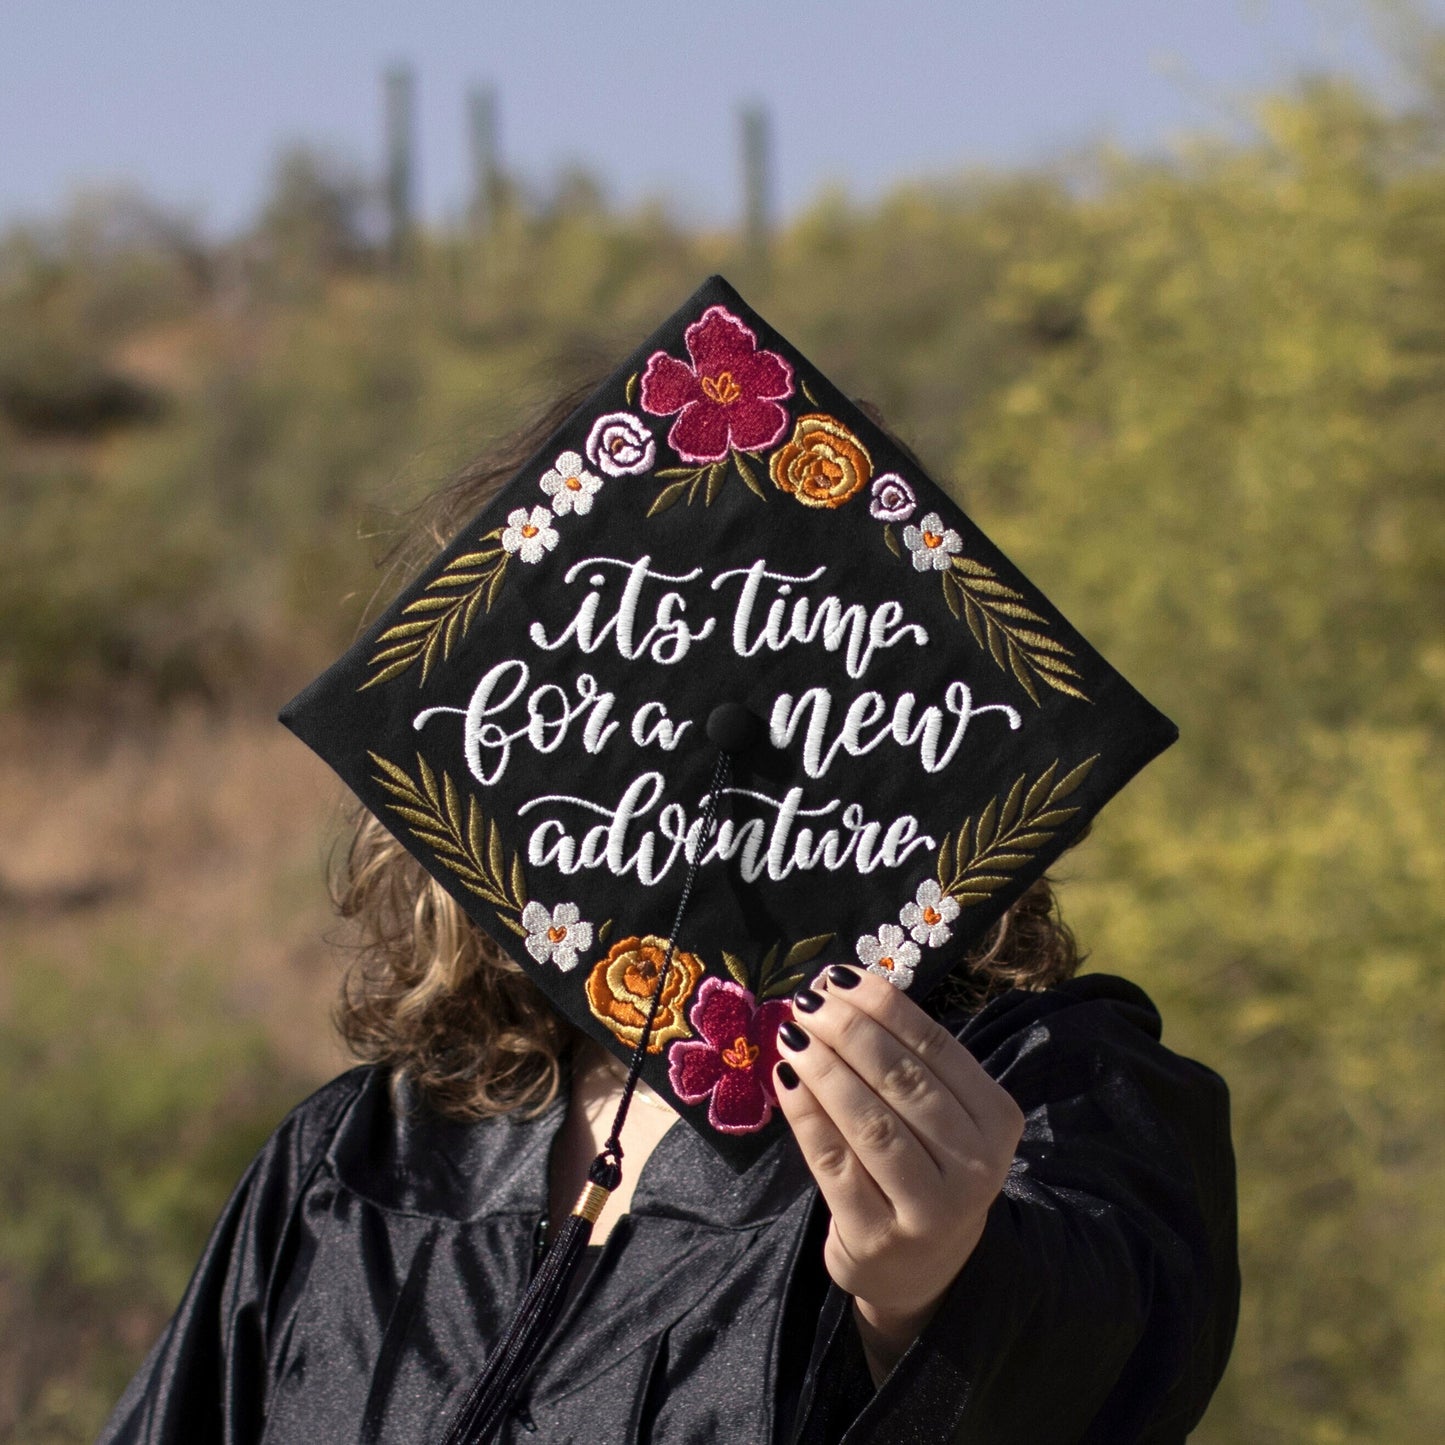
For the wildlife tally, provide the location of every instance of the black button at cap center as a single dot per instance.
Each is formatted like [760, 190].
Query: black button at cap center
[733, 728]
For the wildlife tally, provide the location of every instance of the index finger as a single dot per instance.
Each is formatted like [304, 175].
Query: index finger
[952, 1064]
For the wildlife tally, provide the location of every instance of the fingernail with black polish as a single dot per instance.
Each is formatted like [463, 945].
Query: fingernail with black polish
[791, 1036]
[841, 977]
[787, 1075]
[806, 1001]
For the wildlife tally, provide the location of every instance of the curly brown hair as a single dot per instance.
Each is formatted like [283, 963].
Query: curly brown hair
[430, 996]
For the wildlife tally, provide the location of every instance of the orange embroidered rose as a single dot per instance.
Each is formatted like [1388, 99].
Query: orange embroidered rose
[823, 465]
[620, 988]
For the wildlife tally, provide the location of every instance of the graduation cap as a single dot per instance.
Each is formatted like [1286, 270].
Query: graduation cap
[721, 687]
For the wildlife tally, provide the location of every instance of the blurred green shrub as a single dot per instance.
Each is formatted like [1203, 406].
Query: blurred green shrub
[132, 1106]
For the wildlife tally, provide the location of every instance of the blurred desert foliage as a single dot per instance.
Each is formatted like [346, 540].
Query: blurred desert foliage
[1202, 401]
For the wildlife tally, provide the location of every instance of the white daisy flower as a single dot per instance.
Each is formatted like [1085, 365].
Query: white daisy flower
[928, 916]
[529, 534]
[556, 937]
[571, 486]
[932, 544]
[889, 953]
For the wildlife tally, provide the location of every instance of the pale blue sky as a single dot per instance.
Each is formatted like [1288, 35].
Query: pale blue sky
[191, 101]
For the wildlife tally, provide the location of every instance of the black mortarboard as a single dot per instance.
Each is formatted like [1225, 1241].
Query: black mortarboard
[720, 549]
[723, 629]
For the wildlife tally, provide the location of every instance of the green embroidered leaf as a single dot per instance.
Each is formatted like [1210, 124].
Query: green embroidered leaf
[631, 391]
[974, 618]
[512, 924]
[1053, 818]
[891, 538]
[406, 629]
[454, 804]
[666, 473]
[987, 882]
[1059, 685]
[604, 933]
[473, 559]
[519, 883]
[1011, 805]
[395, 669]
[951, 593]
[415, 816]
[803, 386]
[983, 833]
[692, 490]
[1034, 798]
[429, 782]
[495, 585]
[971, 568]
[749, 480]
[945, 860]
[966, 898]
[666, 498]
[715, 477]
[1070, 781]
[1007, 861]
[777, 987]
[736, 967]
[807, 949]
[494, 852]
[430, 604]
[770, 958]
[995, 636]
[1039, 641]
[1017, 662]
[990, 587]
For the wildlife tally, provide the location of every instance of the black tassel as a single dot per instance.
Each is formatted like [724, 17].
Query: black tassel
[511, 1362]
[513, 1358]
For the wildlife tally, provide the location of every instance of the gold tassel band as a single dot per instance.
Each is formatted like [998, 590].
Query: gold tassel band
[590, 1201]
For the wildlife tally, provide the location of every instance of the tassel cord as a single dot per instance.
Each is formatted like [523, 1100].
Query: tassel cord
[511, 1362]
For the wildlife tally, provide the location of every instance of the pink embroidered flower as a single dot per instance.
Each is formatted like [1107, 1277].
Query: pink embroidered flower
[728, 397]
[893, 499]
[732, 1067]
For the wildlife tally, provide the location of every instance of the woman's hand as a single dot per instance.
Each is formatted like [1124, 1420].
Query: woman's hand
[910, 1142]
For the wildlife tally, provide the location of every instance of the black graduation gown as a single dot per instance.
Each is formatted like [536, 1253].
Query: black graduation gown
[373, 1252]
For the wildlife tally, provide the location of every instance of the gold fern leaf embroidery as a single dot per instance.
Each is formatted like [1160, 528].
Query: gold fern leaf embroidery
[435, 622]
[984, 854]
[1009, 630]
[469, 845]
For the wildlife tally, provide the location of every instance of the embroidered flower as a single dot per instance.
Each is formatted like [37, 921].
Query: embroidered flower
[556, 937]
[893, 499]
[620, 988]
[928, 916]
[823, 465]
[727, 398]
[731, 1067]
[621, 445]
[570, 485]
[931, 543]
[888, 952]
[529, 534]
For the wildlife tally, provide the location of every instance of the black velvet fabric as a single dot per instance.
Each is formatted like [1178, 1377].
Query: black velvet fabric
[373, 1253]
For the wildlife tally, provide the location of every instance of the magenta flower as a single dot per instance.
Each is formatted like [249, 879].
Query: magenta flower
[732, 1067]
[728, 397]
